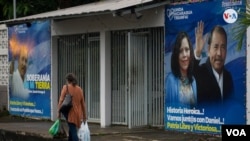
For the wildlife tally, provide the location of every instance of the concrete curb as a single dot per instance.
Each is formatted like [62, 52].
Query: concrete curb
[18, 135]
[21, 136]
[115, 133]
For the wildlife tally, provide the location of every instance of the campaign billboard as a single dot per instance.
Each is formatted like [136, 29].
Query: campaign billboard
[205, 70]
[30, 69]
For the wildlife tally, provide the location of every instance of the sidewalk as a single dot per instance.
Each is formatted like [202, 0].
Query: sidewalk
[17, 126]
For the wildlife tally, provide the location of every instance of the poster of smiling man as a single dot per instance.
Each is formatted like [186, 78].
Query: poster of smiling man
[30, 67]
[205, 70]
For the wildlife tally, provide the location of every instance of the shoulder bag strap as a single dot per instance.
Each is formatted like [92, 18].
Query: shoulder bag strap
[67, 92]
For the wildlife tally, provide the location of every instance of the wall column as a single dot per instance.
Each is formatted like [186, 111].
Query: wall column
[105, 79]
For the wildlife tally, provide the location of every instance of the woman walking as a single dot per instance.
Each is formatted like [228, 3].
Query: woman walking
[77, 113]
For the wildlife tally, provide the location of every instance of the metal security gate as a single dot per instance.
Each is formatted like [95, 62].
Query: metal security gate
[137, 84]
[138, 77]
[119, 54]
[155, 77]
[80, 54]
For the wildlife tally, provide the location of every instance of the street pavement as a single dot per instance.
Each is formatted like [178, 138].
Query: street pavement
[14, 128]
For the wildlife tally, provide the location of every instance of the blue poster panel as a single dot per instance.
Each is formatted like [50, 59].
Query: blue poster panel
[30, 69]
[205, 71]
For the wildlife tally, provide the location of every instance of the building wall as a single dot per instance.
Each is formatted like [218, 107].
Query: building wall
[150, 18]
[4, 69]
[103, 24]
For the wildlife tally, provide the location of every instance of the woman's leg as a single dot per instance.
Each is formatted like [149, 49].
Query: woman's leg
[72, 132]
[66, 118]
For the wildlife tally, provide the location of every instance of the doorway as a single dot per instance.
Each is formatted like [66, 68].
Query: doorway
[138, 77]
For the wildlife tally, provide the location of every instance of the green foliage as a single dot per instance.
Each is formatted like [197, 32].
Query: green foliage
[241, 29]
[25, 7]
[31, 7]
[7, 9]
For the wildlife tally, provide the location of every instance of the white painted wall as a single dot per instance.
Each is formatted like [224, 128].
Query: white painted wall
[4, 91]
[105, 79]
[54, 83]
[3, 51]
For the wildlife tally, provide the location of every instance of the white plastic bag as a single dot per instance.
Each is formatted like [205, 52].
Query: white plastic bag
[83, 132]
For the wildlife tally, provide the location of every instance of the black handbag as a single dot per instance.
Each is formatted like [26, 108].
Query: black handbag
[67, 102]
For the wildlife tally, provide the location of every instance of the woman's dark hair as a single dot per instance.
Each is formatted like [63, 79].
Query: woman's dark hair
[175, 66]
[71, 78]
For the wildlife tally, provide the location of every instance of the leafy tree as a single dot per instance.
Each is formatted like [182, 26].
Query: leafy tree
[31, 7]
[7, 7]
[25, 7]
[241, 30]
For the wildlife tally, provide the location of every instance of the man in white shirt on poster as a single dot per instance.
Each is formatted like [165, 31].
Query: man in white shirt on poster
[17, 76]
